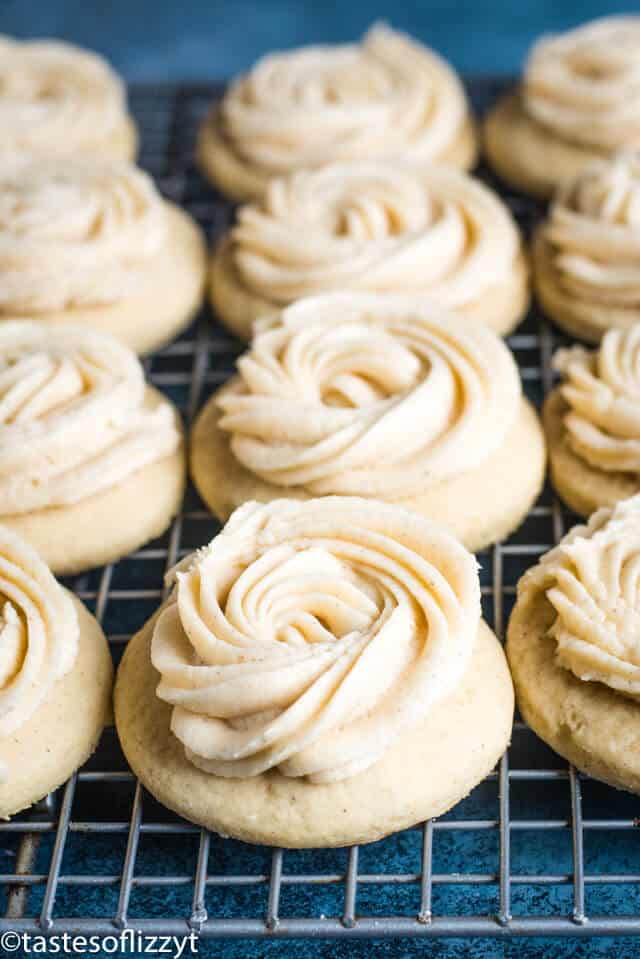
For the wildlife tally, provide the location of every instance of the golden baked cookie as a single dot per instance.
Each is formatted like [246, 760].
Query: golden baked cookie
[302, 656]
[387, 98]
[577, 103]
[92, 461]
[586, 254]
[378, 228]
[59, 100]
[386, 397]
[592, 422]
[55, 679]
[572, 646]
[92, 242]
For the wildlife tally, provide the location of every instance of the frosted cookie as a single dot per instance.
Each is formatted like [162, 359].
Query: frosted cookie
[92, 242]
[302, 656]
[375, 396]
[387, 98]
[57, 99]
[578, 102]
[586, 254]
[55, 679]
[592, 422]
[375, 227]
[92, 461]
[573, 646]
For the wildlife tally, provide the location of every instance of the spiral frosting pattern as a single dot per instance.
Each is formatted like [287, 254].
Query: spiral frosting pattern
[386, 97]
[584, 85]
[56, 98]
[376, 227]
[38, 634]
[74, 233]
[73, 416]
[602, 391]
[593, 233]
[308, 636]
[350, 393]
[592, 580]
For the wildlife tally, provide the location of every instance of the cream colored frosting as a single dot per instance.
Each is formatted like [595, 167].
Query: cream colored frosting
[56, 98]
[584, 85]
[594, 233]
[592, 580]
[308, 636]
[377, 227]
[73, 416]
[602, 390]
[355, 393]
[386, 97]
[74, 232]
[38, 634]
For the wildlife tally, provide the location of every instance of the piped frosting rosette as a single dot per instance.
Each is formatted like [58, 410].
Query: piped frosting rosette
[602, 390]
[358, 394]
[592, 580]
[386, 97]
[38, 634]
[308, 636]
[74, 232]
[73, 417]
[378, 227]
[584, 85]
[56, 98]
[594, 233]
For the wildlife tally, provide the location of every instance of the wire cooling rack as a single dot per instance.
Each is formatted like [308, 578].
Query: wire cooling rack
[536, 849]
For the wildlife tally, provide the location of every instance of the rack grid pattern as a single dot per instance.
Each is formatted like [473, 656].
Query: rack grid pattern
[536, 849]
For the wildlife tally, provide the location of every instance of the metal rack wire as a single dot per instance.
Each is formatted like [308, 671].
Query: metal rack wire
[536, 849]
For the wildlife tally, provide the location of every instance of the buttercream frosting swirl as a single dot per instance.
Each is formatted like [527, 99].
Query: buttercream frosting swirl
[74, 419]
[602, 391]
[592, 580]
[56, 98]
[594, 233]
[308, 636]
[584, 85]
[354, 393]
[74, 232]
[38, 634]
[378, 227]
[386, 97]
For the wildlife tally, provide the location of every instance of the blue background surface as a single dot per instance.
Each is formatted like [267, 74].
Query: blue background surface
[161, 41]
[209, 39]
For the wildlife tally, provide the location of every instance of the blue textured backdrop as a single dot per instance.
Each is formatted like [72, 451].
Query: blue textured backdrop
[209, 39]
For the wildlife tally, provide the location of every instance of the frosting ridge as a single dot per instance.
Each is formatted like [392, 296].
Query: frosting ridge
[375, 226]
[354, 393]
[74, 232]
[388, 96]
[74, 418]
[585, 84]
[307, 637]
[592, 580]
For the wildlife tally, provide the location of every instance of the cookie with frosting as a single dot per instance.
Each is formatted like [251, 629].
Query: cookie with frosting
[592, 422]
[386, 98]
[573, 646]
[59, 100]
[578, 102]
[92, 461]
[55, 678]
[301, 657]
[376, 227]
[586, 253]
[380, 396]
[92, 242]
